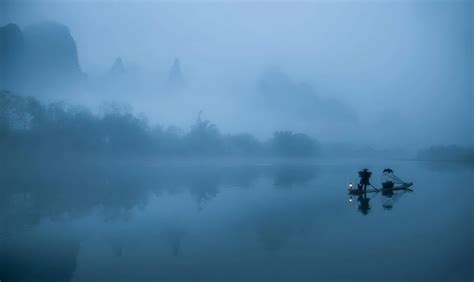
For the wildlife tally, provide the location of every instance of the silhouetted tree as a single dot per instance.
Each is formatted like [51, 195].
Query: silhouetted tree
[286, 143]
[203, 138]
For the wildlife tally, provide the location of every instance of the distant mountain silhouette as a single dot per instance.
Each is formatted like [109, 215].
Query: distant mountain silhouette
[12, 55]
[117, 68]
[175, 76]
[40, 56]
[300, 99]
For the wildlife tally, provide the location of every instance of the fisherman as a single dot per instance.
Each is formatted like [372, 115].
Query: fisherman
[364, 179]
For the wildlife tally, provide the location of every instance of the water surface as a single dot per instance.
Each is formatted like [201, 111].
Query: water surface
[221, 221]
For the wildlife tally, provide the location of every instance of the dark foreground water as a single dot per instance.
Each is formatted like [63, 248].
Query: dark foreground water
[123, 221]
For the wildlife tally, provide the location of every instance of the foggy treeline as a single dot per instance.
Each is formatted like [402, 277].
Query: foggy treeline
[27, 125]
[447, 153]
[31, 127]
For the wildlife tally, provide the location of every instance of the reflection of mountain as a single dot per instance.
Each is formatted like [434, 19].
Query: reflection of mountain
[42, 55]
[300, 99]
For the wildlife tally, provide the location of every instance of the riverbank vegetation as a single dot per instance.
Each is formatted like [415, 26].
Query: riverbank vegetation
[30, 126]
[447, 153]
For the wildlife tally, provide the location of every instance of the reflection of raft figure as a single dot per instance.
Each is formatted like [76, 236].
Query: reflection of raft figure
[390, 183]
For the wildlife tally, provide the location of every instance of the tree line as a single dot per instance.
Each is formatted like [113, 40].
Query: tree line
[30, 126]
[447, 153]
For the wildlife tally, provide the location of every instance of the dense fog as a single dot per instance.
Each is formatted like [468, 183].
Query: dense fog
[381, 74]
[236, 140]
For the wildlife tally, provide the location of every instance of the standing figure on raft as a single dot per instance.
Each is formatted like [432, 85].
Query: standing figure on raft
[364, 179]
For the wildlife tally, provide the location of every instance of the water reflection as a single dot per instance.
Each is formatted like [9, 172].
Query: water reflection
[287, 176]
[38, 258]
[388, 199]
[173, 235]
[63, 192]
[201, 222]
[364, 206]
[34, 192]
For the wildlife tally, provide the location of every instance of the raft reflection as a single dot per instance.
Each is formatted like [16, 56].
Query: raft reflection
[387, 197]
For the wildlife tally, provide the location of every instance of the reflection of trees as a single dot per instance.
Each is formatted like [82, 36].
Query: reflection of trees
[74, 189]
[204, 189]
[203, 181]
[113, 188]
[286, 176]
[61, 190]
[278, 224]
[173, 235]
[274, 232]
[31, 190]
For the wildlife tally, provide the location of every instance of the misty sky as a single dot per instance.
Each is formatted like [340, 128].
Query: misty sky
[403, 67]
